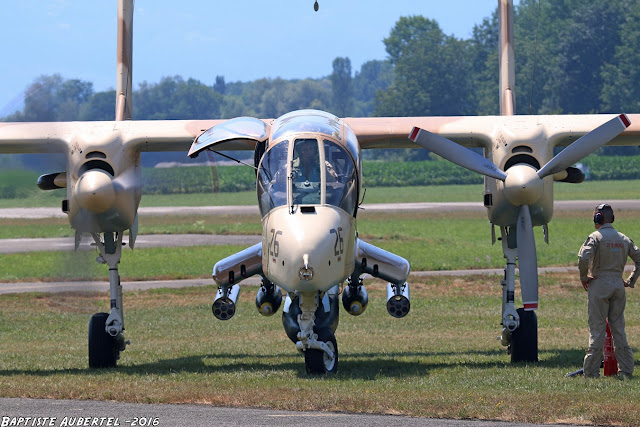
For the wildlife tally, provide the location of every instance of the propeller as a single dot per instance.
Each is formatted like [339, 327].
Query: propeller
[527, 259]
[523, 185]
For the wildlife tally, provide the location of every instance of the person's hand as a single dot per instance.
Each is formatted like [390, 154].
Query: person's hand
[585, 285]
[627, 284]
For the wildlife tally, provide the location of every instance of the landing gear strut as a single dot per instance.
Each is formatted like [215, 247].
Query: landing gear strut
[519, 327]
[320, 349]
[106, 330]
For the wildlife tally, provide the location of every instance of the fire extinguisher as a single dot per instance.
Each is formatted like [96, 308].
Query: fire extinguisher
[610, 362]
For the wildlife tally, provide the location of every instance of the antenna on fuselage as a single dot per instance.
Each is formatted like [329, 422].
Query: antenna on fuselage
[124, 60]
[507, 58]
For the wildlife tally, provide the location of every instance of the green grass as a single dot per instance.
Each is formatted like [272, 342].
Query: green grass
[145, 264]
[442, 360]
[13, 228]
[429, 240]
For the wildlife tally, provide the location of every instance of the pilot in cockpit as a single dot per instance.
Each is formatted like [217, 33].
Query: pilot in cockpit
[305, 172]
[306, 164]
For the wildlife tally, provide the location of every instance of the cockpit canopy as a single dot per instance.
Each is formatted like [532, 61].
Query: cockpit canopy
[307, 172]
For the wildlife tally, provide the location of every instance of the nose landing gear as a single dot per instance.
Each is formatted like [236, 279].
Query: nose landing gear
[321, 362]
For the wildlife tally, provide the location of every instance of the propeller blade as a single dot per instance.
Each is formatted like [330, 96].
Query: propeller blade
[527, 259]
[456, 153]
[585, 145]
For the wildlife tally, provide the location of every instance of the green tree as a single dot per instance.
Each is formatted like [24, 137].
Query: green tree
[484, 57]
[537, 26]
[52, 98]
[175, 98]
[432, 74]
[373, 76]
[561, 49]
[621, 76]
[341, 87]
[101, 106]
[220, 86]
[585, 46]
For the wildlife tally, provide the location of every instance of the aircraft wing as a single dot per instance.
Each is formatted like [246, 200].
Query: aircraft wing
[63, 137]
[372, 132]
[481, 131]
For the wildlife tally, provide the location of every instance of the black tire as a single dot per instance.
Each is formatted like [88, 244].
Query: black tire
[316, 361]
[103, 351]
[524, 340]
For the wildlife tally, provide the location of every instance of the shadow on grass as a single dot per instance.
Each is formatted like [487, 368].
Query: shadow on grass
[363, 366]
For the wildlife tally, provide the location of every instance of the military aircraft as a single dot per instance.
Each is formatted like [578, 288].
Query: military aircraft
[310, 245]
[308, 183]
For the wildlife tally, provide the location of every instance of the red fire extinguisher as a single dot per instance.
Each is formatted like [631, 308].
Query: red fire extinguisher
[610, 362]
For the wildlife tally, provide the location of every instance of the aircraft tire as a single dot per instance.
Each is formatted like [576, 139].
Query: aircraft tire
[103, 351]
[316, 361]
[524, 340]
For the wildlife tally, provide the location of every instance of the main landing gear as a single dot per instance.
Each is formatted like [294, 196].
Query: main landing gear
[106, 330]
[519, 327]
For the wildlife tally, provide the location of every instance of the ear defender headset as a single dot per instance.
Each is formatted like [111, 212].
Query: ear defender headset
[598, 215]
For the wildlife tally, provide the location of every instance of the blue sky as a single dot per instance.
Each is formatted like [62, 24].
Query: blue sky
[241, 39]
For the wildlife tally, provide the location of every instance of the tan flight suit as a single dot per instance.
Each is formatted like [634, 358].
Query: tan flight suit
[603, 257]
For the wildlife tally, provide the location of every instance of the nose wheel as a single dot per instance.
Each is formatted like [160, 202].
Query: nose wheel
[319, 362]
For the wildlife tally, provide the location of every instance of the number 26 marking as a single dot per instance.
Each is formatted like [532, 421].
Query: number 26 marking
[274, 245]
[338, 247]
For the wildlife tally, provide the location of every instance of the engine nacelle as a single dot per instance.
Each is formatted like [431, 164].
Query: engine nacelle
[398, 304]
[268, 299]
[355, 298]
[224, 304]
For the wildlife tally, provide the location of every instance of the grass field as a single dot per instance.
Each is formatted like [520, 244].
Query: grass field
[429, 240]
[442, 360]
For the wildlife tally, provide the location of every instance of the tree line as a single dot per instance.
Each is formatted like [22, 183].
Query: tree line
[572, 57]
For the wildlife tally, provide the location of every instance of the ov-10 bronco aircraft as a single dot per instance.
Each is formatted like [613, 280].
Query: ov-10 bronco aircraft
[308, 187]
[308, 183]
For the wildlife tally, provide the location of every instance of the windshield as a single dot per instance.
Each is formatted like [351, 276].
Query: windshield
[320, 174]
[341, 178]
[272, 178]
[305, 172]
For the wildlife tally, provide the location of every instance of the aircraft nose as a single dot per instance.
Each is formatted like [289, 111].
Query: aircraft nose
[95, 192]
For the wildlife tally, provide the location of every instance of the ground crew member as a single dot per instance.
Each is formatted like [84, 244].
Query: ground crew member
[601, 262]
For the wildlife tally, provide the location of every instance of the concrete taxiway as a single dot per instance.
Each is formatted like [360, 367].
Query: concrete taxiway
[129, 414]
